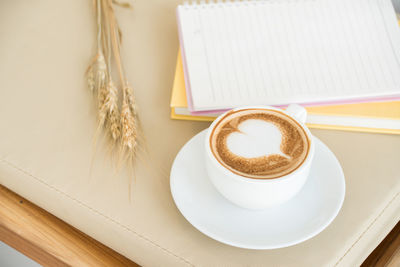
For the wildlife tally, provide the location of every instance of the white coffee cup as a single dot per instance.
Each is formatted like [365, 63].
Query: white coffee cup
[259, 193]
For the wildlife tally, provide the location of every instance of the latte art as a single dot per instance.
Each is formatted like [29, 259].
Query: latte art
[258, 143]
[255, 138]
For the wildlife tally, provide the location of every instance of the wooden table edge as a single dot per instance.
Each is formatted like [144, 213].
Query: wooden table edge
[48, 240]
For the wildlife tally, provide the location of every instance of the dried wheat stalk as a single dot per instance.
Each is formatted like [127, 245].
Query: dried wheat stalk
[122, 127]
[96, 72]
[128, 112]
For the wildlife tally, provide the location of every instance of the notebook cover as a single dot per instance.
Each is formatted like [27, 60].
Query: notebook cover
[189, 101]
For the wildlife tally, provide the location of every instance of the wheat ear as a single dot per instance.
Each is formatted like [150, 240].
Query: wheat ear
[113, 113]
[128, 125]
[128, 110]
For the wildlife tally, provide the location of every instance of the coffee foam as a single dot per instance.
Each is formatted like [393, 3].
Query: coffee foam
[258, 143]
[249, 141]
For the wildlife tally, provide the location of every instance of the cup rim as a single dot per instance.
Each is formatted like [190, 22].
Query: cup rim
[231, 173]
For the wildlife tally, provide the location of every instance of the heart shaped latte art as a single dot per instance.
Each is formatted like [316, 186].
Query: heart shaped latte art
[255, 138]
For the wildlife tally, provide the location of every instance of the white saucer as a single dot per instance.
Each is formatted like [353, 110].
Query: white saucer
[301, 218]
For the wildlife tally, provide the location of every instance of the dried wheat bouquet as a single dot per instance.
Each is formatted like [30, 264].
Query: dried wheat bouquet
[118, 118]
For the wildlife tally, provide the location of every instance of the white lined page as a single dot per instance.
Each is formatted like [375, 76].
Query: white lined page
[289, 51]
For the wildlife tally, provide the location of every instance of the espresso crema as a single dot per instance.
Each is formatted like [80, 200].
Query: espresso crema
[259, 143]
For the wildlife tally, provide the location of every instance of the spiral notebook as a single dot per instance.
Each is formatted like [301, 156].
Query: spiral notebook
[288, 51]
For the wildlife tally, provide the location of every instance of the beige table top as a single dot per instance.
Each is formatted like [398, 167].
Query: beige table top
[48, 120]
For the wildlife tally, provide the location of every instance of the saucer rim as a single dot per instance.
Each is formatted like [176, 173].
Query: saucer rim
[246, 245]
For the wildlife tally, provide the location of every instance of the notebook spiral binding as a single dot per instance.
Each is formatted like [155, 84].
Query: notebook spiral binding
[211, 3]
[200, 2]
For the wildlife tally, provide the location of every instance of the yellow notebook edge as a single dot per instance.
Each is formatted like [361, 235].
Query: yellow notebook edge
[310, 125]
[352, 128]
[189, 117]
[178, 100]
[178, 96]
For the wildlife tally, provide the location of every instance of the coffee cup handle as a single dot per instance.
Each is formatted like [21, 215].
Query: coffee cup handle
[298, 112]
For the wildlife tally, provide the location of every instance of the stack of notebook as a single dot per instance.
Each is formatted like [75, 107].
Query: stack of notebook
[340, 59]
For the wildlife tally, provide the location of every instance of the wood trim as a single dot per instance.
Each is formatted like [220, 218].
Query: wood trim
[388, 252]
[49, 240]
[27, 248]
